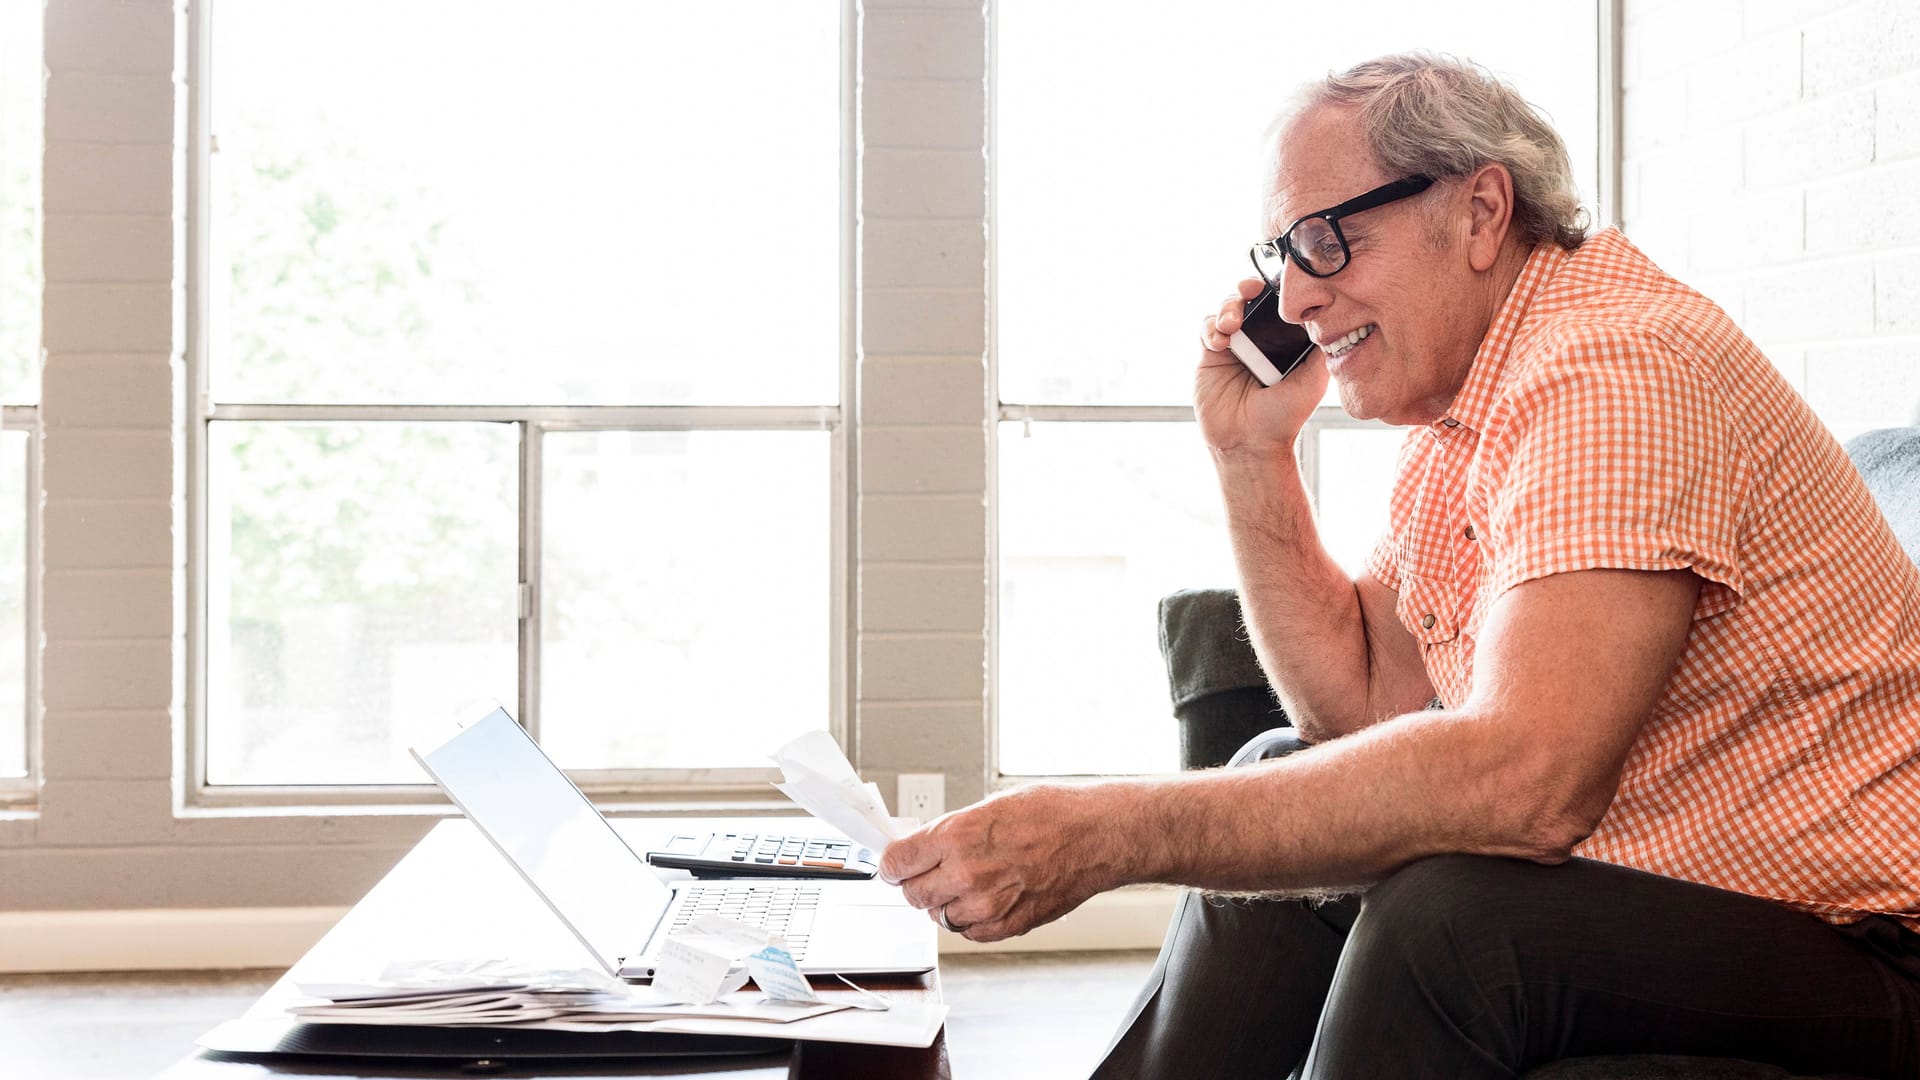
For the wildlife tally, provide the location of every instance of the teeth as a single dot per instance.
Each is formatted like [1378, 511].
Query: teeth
[1338, 347]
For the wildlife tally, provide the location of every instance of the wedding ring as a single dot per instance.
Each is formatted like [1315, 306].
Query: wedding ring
[948, 926]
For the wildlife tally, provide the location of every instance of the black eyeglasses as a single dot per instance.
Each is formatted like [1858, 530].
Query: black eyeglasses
[1315, 242]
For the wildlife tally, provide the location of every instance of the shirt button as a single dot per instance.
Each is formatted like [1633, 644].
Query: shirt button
[1470, 534]
[1426, 622]
[1451, 422]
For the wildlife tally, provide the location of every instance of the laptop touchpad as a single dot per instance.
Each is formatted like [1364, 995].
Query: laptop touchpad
[900, 938]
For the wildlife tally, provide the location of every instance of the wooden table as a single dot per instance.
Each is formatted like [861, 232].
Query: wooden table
[453, 896]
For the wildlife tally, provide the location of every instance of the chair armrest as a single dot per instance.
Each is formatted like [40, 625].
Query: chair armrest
[1219, 694]
[1889, 461]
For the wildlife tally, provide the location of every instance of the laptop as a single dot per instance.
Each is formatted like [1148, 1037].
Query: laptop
[615, 903]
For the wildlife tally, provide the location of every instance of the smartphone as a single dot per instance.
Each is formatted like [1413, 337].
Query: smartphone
[1268, 345]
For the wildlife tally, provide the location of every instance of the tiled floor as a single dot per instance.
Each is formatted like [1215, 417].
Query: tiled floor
[1018, 1016]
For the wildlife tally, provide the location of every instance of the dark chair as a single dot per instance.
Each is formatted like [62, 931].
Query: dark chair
[1228, 715]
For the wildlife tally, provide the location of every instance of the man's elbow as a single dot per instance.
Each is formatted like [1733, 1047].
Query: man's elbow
[1540, 810]
[1315, 726]
[1548, 833]
[1310, 729]
[1550, 850]
[1309, 723]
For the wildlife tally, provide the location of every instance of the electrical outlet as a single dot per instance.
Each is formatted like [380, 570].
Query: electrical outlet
[921, 795]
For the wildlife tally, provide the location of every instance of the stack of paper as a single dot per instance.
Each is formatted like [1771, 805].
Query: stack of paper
[576, 1009]
[500, 993]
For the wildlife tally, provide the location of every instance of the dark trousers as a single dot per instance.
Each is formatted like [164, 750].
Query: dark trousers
[1469, 966]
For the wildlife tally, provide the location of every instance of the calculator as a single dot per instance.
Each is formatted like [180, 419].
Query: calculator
[746, 854]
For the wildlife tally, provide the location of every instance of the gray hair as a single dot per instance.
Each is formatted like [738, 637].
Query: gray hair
[1423, 113]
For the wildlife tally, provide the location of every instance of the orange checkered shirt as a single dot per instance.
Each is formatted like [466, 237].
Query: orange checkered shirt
[1615, 418]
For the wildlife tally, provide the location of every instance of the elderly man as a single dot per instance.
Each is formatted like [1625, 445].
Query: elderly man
[1668, 799]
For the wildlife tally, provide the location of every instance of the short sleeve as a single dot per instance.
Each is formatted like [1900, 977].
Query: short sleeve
[1614, 452]
[1382, 564]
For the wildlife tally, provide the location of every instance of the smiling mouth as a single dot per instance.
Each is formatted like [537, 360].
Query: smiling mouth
[1340, 347]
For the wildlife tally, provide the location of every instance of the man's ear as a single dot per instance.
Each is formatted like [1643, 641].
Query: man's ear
[1490, 212]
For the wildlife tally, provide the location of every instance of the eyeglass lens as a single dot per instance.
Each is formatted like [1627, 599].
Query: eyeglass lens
[1317, 246]
[1313, 241]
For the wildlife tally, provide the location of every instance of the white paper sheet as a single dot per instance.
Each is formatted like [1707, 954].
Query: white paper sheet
[913, 1023]
[822, 782]
[740, 1005]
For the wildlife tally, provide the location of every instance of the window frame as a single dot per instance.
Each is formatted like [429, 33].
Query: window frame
[21, 791]
[709, 789]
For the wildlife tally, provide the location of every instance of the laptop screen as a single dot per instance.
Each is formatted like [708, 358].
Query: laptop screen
[540, 821]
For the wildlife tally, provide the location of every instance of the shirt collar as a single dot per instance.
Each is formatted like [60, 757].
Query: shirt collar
[1474, 403]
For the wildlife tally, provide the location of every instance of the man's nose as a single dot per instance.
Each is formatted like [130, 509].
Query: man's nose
[1301, 294]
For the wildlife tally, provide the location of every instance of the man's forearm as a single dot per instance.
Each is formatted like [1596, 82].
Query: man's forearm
[1343, 814]
[1301, 610]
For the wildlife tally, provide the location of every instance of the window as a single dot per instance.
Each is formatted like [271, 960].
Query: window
[21, 81]
[1111, 242]
[522, 372]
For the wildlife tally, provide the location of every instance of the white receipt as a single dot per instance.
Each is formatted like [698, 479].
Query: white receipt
[823, 783]
[695, 969]
[713, 957]
[775, 973]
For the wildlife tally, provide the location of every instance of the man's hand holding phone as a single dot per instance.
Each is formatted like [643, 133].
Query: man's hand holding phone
[1260, 377]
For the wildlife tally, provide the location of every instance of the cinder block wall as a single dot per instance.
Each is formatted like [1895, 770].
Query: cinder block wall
[923, 410]
[1772, 160]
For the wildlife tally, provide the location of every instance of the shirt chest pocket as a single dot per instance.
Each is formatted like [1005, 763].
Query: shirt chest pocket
[1431, 608]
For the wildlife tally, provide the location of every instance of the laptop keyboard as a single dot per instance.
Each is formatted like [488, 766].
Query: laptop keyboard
[785, 908]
